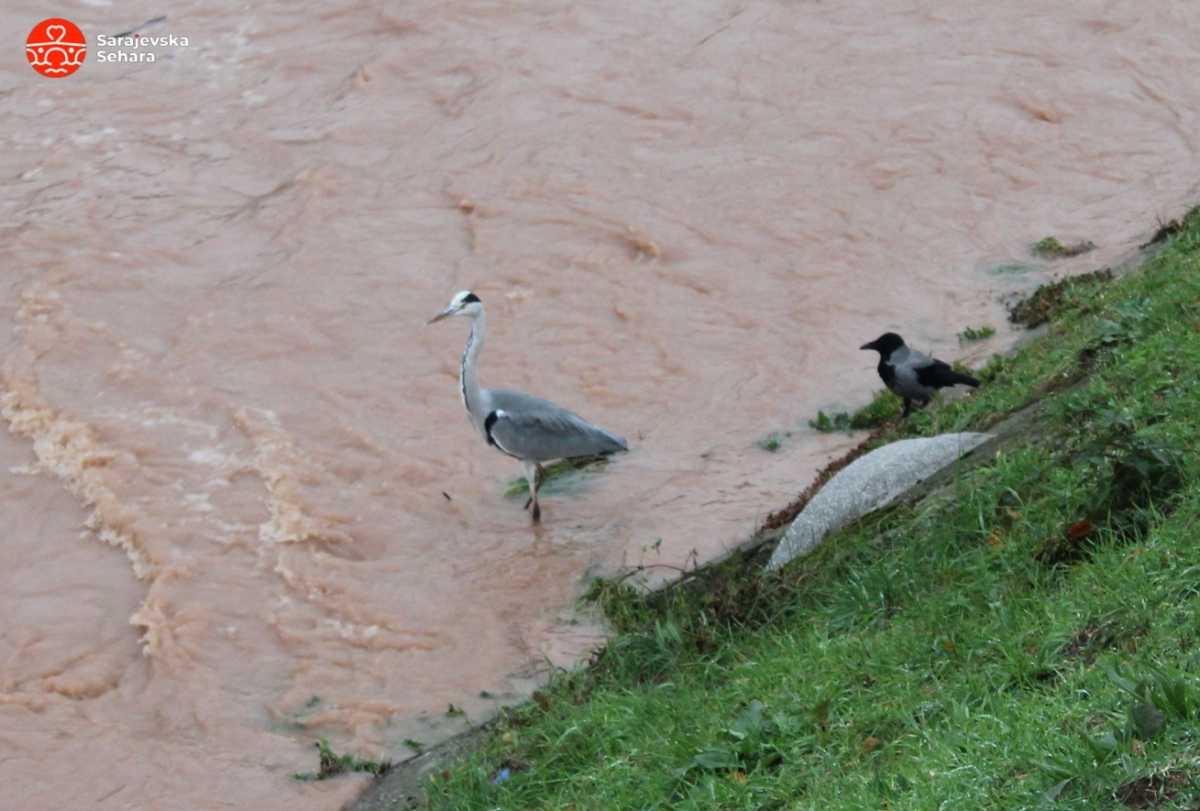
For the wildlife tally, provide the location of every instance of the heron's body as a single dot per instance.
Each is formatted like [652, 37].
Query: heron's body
[520, 425]
[530, 428]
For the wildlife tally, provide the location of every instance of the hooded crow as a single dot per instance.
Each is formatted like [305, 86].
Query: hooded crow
[911, 374]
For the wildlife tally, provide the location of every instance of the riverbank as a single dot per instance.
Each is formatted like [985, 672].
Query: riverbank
[1023, 634]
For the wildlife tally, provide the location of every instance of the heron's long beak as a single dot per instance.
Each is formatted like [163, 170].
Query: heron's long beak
[443, 314]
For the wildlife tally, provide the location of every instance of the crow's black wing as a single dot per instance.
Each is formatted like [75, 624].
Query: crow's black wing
[938, 375]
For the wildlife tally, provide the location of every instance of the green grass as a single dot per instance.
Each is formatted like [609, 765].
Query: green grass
[884, 406]
[1025, 638]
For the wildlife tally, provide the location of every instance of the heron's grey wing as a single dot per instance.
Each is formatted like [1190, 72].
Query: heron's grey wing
[532, 428]
[518, 402]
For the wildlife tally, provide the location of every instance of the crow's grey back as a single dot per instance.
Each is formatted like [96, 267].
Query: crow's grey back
[906, 361]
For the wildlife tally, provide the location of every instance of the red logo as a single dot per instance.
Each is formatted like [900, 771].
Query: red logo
[56, 47]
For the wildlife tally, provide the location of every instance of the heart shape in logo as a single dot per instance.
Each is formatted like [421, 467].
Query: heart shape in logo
[55, 47]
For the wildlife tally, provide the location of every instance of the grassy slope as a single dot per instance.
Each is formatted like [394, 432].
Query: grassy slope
[966, 652]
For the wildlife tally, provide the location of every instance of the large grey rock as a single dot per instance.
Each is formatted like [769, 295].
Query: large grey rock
[868, 483]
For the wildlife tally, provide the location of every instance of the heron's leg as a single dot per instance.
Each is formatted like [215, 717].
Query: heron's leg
[534, 479]
[541, 477]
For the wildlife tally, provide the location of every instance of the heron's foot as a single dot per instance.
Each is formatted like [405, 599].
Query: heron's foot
[537, 513]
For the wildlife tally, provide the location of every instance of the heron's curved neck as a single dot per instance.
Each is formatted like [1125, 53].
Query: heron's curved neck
[468, 382]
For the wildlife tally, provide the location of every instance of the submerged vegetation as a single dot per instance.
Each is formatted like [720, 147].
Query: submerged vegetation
[1051, 248]
[331, 764]
[1024, 636]
[980, 333]
[828, 423]
[773, 441]
[559, 477]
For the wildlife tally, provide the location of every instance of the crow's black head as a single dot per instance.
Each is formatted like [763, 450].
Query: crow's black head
[885, 344]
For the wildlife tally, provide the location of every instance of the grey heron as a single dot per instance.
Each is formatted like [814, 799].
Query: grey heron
[527, 428]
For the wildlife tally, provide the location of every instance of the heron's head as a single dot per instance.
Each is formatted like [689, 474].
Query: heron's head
[885, 344]
[464, 303]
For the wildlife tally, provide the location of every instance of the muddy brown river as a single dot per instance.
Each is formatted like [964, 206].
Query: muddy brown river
[243, 507]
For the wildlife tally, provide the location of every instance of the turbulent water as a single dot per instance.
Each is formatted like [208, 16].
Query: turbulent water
[243, 505]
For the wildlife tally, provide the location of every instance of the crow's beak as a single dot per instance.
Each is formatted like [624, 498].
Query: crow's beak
[443, 314]
[868, 346]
